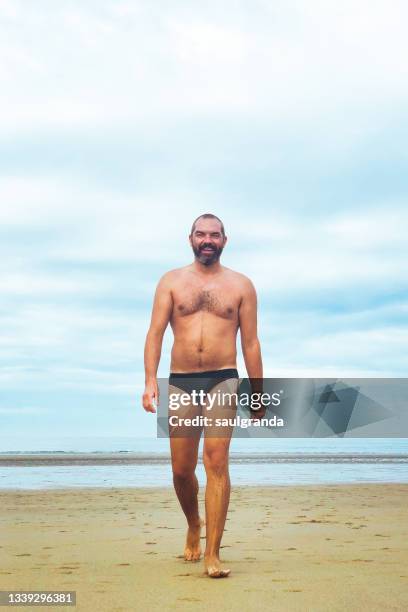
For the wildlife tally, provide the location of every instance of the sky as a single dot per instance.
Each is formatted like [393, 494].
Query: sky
[122, 121]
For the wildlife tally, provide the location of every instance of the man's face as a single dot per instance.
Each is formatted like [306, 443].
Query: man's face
[207, 241]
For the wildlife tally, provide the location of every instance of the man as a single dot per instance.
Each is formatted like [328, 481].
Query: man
[205, 303]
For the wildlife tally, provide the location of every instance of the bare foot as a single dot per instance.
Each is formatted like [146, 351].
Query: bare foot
[192, 550]
[214, 569]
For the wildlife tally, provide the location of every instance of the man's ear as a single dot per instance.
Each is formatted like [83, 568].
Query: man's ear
[225, 240]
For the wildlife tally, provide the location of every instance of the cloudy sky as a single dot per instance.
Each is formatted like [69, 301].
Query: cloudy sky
[122, 121]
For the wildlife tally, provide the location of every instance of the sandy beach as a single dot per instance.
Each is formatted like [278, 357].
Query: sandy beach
[317, 548]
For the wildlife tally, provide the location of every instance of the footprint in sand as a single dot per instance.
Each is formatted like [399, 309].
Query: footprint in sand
[188, 599]
[122, 564]
[267, 549]
[291, 548]
[23, 555]
[150, 542]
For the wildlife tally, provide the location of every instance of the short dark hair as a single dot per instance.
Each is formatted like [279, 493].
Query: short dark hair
[208, 216]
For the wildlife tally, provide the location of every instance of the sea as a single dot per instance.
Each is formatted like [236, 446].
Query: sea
[110, 462]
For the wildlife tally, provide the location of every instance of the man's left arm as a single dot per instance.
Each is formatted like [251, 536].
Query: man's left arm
[251, 348]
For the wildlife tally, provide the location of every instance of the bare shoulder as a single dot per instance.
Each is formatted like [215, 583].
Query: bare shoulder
[242, 282]
[172, 277]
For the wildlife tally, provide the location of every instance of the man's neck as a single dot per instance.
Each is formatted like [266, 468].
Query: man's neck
[202, 269]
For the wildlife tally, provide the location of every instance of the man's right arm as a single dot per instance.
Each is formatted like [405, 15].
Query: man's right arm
[161, 313]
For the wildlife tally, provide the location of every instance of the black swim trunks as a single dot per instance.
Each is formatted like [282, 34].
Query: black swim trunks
[190, 381]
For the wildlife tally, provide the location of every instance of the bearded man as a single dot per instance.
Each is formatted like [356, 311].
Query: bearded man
[205, 304]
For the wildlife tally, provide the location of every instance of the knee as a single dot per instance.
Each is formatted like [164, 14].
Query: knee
[215, 461]
[182, 471]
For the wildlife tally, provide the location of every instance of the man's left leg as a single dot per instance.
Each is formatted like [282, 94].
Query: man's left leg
[217, 495]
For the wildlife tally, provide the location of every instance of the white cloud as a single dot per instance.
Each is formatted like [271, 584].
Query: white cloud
[321, 77]
[87, 224]
[338, 252]
[287, 62]
[281, 252]
[34, 283]
[62, 379]
[372, 228]
[22, 410]
[85, 335]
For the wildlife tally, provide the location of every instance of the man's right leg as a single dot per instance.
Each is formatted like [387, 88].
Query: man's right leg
[184, 454]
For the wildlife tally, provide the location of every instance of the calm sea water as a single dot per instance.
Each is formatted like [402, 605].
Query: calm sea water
[253, 462]
[242, 445]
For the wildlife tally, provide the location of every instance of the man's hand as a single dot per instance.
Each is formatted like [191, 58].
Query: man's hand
[257, 414]
[150, 395]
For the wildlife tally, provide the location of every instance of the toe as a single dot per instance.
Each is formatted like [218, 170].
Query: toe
[220, 574]
[217, 572]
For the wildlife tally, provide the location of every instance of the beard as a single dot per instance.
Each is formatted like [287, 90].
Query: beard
[205, 259]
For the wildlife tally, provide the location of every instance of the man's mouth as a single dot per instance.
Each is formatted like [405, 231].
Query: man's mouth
[207, 251]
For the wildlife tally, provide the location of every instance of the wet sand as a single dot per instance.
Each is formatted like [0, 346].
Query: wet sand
[317, 548]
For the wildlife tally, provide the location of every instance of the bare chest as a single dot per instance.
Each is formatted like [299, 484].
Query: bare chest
[220, 302]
